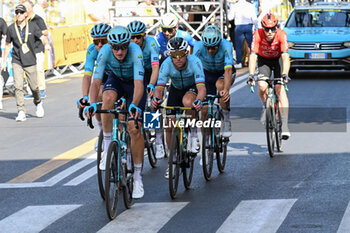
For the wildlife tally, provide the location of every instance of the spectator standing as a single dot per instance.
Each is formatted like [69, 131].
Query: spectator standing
[244, 16]
[3, 31]
[38, 48]
[22, 35]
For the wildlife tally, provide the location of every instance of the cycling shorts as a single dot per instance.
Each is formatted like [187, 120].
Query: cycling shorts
[105, 77]
[266, 66]
[147, 77]
[175, 97]
[126, 90]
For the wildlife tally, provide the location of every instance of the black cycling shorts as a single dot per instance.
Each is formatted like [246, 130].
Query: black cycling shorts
[176, 95]
[266, 66]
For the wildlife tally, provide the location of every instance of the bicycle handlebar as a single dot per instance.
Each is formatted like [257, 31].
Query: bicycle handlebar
[213, 97]
[81, 110]
[116, 112]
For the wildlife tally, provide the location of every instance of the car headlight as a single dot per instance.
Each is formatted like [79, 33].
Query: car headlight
[291, 44]
[347, 44]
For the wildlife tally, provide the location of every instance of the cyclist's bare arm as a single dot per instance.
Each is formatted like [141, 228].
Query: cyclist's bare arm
[227, 78]
[252, 63]
[138, 92]
[286, 63]
[86, 84]
[154, 76]
[202, 91]
[95, 89]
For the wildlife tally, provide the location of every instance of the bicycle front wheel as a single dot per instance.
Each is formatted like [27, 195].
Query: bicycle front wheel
[174, 162]
[100, 173]
[112, 181]
[128, 178]
[220, 144]
[278, 129]
[270, 131]
[150, 144]
[208, 146]
[187, 165]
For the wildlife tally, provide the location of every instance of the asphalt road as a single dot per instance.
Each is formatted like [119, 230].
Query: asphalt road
[48, 177]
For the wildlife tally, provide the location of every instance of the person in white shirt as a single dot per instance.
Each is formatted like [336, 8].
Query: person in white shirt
[243, 13]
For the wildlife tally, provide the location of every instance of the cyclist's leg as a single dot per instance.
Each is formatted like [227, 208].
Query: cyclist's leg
[225, 106]
[264, 72]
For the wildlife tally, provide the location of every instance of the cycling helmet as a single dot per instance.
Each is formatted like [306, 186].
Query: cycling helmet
[136, 27]
[100, 30]
[211, 36]
[269, 21]
[177, 44]
[119, 35]
[168, 20]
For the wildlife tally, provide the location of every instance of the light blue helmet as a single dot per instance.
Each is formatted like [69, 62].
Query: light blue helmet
[100, 30]
[136, 27]
[119, 35]
[211, 36]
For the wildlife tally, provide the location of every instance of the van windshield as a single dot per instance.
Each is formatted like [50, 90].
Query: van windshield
[319, 18]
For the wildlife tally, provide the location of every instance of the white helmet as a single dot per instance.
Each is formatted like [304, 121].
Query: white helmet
[168, 20]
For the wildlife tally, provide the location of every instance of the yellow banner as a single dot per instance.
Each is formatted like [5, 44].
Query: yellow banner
[69, 45]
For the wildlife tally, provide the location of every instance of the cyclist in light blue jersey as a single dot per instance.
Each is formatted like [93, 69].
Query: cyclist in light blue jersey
[169, 25]
[216, 56]
[99, 34]
[187, 82]
[125, 60]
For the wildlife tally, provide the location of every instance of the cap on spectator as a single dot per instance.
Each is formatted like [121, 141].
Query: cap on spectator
[21, 8]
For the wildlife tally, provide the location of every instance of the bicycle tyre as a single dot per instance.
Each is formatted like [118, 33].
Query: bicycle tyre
[270, 131]
[128, 179]
[174, 167]
[220, 142]
[278, 129]
[187, 168]
[112, 184]
[100, 173]
[150, 148]
[208, 151]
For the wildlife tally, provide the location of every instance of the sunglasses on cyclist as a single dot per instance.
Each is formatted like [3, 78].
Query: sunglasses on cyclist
[98, 41]
[270, 29]
[120, 47]
[137, 36]
[20, 12]
[212, 47]
[178, 54]
[170, 30]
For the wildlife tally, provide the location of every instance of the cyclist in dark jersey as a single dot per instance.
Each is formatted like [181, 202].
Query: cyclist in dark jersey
[270, 51]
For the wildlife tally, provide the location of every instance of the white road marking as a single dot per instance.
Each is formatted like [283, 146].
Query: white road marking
[144, 217]
[235, 87]
[55, 179]
[34, 218]
[263, 216]
[344, 226]
[81, 178]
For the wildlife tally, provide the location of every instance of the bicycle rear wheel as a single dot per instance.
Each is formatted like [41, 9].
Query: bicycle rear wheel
[208, 147]
[150, 144]
[128, 178]
[100, 173]
[187, 165]
[278, 129]
[112, 181]
[174, 162]
[270, 131]
[220, 145]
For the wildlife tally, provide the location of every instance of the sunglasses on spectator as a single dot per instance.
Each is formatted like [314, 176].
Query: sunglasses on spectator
[137, 36]
[178, 54]
[212, 47]
[170, 30]
[102, 41]
[120, 47]
[20, 12]
[270, 29]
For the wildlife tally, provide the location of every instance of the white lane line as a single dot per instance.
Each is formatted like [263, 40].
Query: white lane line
[55, 179]
[263, 216]
[144, 217]
[34, 218]
[81, 178]
[344, 226]
[236, 86]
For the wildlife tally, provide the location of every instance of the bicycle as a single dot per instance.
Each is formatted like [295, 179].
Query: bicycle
[180, 156]
[273, 121]
[213, 141]
[119, 164]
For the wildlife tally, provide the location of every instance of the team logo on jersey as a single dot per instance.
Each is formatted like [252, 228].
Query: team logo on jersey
[140, 56]
[151, 120]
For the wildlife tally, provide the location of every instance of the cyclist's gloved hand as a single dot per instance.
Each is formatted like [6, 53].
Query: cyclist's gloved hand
[285, 78]
[155, 102]
[92, 106]
[82, 101]
[198, 104]
[121, 103]
[137, 113]
[150, 87]
[251, 80]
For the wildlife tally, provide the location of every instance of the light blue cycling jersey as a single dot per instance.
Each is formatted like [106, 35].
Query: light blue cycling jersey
[221, 60]
[162, 42]
[150, 53]
[130, 69]
[193, 74]
[91, 56]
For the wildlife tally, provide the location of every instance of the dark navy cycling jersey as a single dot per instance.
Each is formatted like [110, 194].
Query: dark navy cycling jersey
[150, 53]
[91, 57]
[162, 42]
[218, 62]
[193, 74]
[131, 68]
